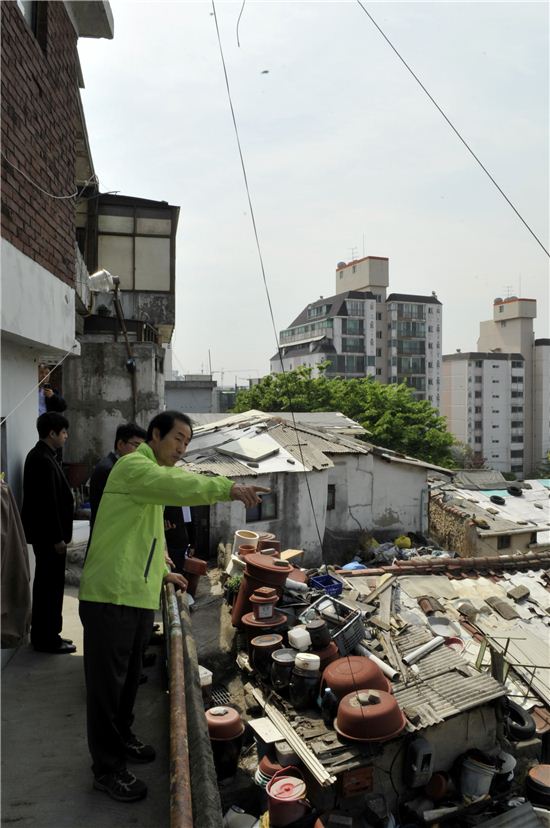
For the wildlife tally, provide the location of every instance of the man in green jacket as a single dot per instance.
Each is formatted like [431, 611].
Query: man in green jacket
[121, 584]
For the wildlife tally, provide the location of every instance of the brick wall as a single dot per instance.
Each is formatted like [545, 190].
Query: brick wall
[450, 527]
[39, 115]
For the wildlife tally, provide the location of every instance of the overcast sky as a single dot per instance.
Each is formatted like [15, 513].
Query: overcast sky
[345, 156]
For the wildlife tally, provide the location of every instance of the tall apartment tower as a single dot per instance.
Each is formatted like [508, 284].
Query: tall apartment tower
[514, 382]
[362, 331]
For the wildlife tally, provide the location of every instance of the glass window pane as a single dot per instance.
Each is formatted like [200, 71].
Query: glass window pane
[152, 264]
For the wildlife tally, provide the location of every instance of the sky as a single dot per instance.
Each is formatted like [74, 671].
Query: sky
[345, 156]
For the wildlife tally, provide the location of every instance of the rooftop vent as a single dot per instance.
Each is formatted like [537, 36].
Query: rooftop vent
[498, 300]
[340, 264]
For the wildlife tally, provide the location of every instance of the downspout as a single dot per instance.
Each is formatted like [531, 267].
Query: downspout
[131, 361]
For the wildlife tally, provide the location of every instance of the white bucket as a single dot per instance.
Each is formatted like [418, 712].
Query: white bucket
[244, 536]
[475, 779]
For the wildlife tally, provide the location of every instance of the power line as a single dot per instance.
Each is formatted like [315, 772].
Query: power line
[455, 130]
[260, 256]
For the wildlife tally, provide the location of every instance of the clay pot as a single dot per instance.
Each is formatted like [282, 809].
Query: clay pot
[260, 570]
[193, 568]
[353, 673]
[263, 602]
[246, 549]
[265, 545]
[369, 716]
[225, 728]
[327, 655]
[262, 646]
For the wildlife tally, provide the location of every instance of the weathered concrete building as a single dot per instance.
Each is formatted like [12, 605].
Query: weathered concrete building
[192, 393]
[120, 376]
[45, 165]
[326, 489]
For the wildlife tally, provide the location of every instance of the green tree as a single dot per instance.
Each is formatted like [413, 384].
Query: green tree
[393, 418]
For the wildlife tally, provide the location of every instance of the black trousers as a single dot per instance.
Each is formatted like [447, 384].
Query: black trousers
[47, 596]
[114, 638]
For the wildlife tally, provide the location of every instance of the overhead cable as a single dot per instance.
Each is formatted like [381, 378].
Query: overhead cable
[455, 130]
[76, 193]
[261, 260]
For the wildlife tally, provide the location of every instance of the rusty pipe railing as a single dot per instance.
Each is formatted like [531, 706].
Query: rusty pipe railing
[181, 810]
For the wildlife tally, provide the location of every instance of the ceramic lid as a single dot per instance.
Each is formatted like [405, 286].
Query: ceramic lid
[265, 562]
[276, 620]
[353, 673]
[369, 716]
[272, 640]
[285, 655]
[264, 595]
[287, 788]
[224, 723]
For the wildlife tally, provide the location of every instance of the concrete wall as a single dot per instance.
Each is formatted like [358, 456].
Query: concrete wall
[294, 525]
[372, 271]
[400, 497]
[189, 396]
[99, 396]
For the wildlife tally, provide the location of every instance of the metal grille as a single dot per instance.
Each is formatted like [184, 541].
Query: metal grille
[220, 695]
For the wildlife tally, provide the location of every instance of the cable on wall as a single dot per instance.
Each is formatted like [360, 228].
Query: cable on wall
[77, 193]
[455, 130]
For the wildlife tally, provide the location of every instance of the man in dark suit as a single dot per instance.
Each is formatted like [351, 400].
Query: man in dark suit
[47, 517]
[128, 437]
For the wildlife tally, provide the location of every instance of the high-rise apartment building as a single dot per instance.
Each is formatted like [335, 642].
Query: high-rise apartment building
[483, 401]
[362, 331]
[512, 373]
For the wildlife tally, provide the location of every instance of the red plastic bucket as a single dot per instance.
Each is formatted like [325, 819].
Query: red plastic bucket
[285, 794]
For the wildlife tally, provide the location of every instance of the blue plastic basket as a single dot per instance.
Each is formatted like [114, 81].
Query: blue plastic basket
[332, 586]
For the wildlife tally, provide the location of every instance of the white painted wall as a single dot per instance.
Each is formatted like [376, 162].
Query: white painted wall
[38, 309]
[19, 376]
[400, 497]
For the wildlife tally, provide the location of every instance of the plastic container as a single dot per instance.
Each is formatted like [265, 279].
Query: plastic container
[286, 796]
[205, 678]
[285, 754]
[299, 638]
[332, 586]
[475, 779]
[226, 729]
[304, 682]
[308, 662]
[319, 634]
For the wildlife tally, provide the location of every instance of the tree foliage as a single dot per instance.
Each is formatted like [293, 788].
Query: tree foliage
[393, 417]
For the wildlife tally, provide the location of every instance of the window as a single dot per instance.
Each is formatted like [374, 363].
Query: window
[495, 366]
[371, 360]
[379, 334]
[500, 308]
[478, 424]
[517, 423]
[479, 379]
[379, 352]
[477, 409]
[266, 510]
[516, 453]
[516, 364]
[477, 394]
[517, 394]
[533, 538]
[495, 396]
[503, 542]
[331, 497]
[478, 440]
[355, 307]
[517, 379]
[495, 441]
[353, 344]
[378, 372]
[379, 317]
[36, 17]
[517, 409]
[494, 426]
[516, 438]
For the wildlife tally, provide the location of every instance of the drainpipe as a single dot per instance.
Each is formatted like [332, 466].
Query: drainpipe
[131, 361]
[181, 815]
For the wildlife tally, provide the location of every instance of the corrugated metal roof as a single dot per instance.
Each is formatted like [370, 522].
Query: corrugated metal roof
[219, 465]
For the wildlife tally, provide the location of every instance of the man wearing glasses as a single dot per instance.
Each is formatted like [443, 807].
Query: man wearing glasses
[128, 437]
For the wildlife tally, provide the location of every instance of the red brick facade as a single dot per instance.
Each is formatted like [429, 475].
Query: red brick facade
[39, 117]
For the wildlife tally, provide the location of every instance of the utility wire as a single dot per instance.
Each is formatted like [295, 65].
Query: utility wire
[455, 130]
[76, 193]
[238, 22]
[260, 256]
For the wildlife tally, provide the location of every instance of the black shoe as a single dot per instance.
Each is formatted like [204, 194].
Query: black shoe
[60, 649]
[67, 641]
[121, 785]
[137, 751]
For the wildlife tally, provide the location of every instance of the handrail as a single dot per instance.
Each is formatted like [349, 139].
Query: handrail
[181, 809]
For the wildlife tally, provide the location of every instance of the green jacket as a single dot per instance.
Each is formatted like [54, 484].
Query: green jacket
[125, 562]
